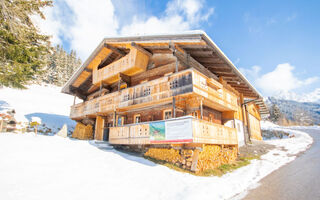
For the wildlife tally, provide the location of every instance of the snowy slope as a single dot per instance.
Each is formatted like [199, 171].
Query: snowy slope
[45, 102]
[41, 167]
[299, 112]
[313, 97]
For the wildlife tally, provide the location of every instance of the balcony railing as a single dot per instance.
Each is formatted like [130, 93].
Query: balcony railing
[178, 130]
[156, 91]
[130, 64]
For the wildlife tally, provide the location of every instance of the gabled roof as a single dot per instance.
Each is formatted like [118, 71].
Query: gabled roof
[197, 44]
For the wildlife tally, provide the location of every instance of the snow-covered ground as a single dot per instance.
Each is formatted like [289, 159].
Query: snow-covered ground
[51, 167]
[45, 102]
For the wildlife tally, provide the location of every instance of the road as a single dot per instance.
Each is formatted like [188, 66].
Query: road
[299, 179]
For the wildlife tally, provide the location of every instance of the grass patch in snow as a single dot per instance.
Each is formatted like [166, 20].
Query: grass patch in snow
[225, 168]
[219, 171]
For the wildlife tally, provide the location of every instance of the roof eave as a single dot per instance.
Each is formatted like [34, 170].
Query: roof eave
[228, 61]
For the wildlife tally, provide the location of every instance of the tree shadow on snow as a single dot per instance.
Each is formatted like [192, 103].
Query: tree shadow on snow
[4, 105]
[53, 121]
[132, 156]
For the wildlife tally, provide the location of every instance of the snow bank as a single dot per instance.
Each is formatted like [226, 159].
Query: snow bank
[306, 127]
[43, 101]
[41, 167]
[267, 125]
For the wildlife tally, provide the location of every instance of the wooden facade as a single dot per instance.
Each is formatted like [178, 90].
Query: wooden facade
[142, 90]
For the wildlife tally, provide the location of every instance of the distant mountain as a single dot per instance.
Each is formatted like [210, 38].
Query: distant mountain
[299, 113]
[313, 97]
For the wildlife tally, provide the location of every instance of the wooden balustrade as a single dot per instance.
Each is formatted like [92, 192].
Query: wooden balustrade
[158, 90]
[202, 132]
[213, 91]
[132, 63]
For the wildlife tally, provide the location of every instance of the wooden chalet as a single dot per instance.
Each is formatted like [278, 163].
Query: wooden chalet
[165, 89]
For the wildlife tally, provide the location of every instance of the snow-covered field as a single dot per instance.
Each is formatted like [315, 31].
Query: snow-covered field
[45, 102]
[50, 167]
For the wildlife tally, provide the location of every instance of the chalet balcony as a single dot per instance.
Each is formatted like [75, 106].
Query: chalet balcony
[131, 64]
[189, 83]
[177, 130]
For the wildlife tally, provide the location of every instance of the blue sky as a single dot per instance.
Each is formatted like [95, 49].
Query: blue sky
[274, 43]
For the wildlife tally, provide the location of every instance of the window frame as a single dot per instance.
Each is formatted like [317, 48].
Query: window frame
[166, 111]
[135, 117]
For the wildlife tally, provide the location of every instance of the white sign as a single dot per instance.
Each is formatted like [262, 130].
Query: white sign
[179, 129]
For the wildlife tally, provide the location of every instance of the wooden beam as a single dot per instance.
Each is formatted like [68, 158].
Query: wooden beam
[191, 62]
[241, 87]
[78, 92]
[219, 69]
[87, 70]
[225, 74]
[140, 48]
[218, 65]
[114, 49]
[125, 78]
[210, 60]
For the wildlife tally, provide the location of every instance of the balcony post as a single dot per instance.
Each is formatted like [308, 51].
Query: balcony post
[74, 100]
[114, 119]
[177, 65]
[174, 106]
[201, 109]
[100, 89]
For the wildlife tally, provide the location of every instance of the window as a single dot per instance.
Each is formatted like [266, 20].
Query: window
[210, 118]
[120, 121]
[137, 118]
[146, 92]
[195, 114]
[167, 114]
[238, 128]
[174, 84]
[126, 97]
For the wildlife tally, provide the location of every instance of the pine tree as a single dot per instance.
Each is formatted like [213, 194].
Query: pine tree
[61, 66]
[22, 47]
[275, 113]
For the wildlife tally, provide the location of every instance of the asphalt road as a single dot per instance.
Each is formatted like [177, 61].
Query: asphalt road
[299, 179]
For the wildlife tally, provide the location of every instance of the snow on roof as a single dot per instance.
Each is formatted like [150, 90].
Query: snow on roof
[36, 119]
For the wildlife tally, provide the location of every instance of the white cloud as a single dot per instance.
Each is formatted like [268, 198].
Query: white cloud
[51, 25]
[252, 73]
[178, 16]
[92, 22]
[154, 25]
[281, 79]
[83, 24]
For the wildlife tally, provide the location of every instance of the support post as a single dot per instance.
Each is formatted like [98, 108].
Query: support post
[119, 84]
[248, 123]
[244, 120]
[100, 89]
[177, 65]
[201, 109]
[74, 100]
[174, 106]
[114, 118]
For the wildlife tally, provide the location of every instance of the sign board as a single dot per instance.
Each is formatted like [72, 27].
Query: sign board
[179, 130]
[157, 131]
